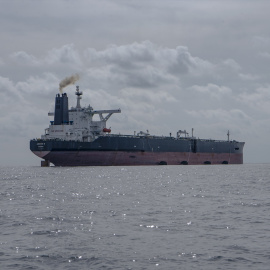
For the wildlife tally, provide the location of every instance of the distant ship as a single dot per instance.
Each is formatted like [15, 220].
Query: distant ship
[75, 139]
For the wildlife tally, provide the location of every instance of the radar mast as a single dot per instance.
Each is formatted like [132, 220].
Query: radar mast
[78, 93]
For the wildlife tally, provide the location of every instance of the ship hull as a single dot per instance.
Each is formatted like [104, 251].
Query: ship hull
[120, 158]
[134, 151]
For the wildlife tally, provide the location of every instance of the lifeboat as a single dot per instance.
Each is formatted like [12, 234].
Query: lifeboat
[107, 130]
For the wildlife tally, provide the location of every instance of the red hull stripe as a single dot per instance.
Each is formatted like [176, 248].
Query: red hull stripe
[118, 158]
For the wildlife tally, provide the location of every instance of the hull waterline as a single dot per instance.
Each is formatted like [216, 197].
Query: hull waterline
[118, 158]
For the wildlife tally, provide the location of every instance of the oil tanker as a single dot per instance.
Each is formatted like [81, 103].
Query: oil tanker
[74, 138]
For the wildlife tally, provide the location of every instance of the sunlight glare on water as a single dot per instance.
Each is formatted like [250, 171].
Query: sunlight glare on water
[163, 217]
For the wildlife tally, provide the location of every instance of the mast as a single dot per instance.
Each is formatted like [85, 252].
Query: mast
[78, 93]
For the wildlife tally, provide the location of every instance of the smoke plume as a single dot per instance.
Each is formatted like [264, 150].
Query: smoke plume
[67, 81]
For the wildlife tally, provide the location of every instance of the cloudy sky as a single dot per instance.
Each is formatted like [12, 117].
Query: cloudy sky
[169, 65]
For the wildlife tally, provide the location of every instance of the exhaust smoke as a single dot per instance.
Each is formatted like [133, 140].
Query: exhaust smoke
[67, 81]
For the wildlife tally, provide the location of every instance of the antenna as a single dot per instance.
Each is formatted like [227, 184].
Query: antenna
[78, 93]
[228, 134]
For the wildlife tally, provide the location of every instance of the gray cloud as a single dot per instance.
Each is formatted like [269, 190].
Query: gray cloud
[212, 90]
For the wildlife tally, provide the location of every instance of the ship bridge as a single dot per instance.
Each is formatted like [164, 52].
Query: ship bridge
[76, 123]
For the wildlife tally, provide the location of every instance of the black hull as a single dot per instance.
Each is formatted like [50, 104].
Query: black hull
[116, 150]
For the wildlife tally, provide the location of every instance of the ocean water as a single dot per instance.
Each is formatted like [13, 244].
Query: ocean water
[163, 217]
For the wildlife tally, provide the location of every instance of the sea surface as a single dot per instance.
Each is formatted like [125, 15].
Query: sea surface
[162, 217]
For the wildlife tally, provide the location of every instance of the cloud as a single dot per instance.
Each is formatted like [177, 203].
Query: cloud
[126, 56]
[232, 64]
[145, 65]
[182, 62]
[212, 90]
[227, 116]
[259, 100]
[215, 123]
[249, 77]
[24, 105]
[261, 41]
[140, 65]
[65, 55]
[24, 59]
[7, 88]
[265, 55]
[141, 95]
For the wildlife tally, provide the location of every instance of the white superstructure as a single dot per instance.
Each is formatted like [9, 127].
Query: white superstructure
[76, 124]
